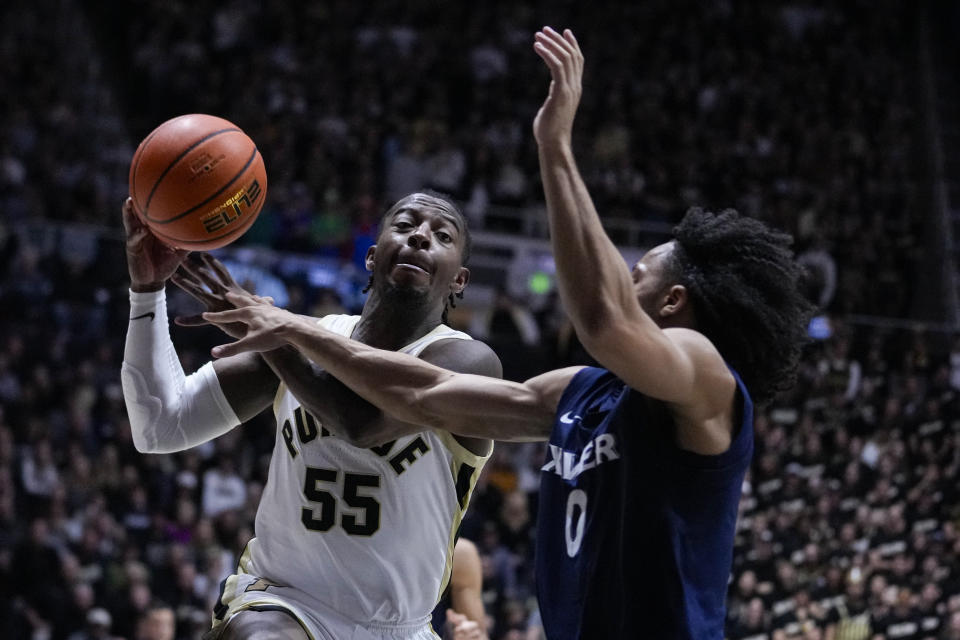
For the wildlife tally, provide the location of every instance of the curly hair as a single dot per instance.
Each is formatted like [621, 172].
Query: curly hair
[745, 288]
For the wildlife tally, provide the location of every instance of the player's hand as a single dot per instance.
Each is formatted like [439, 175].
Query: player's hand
[554, 122]
[459, 627]
[207, 280]
[265, 326]
[151, 263]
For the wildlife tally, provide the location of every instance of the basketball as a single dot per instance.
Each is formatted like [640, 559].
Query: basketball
[198, 181]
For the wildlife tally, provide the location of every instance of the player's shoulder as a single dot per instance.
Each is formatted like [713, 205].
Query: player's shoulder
[464, 356]
[690, 338]
[701, 352]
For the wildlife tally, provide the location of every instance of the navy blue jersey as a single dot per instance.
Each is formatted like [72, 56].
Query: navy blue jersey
[634, 534]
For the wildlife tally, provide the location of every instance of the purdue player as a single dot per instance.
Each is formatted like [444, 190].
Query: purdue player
[355, 529]
[640, 488]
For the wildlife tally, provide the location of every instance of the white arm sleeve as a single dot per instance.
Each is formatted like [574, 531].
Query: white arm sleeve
[168, 411]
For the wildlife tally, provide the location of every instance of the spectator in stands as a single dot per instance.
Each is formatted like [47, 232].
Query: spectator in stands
[156, 623]
[98, 626]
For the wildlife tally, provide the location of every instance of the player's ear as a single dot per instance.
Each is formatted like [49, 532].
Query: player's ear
[674, 301]
[369, 261]
[460, 281]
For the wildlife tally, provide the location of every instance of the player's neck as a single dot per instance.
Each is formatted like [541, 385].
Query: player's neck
[387, 323]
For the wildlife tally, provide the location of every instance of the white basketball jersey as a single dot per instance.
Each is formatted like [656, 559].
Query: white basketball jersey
[367, 532]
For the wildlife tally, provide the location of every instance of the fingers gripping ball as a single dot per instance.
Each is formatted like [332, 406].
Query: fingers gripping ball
[198, 182]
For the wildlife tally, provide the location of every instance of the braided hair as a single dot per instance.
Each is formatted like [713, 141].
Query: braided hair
[464, 256]
[745, 289]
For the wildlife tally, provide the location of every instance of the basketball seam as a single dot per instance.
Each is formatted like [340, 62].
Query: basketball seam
[212, 196]
[156, 184]
[136, 165]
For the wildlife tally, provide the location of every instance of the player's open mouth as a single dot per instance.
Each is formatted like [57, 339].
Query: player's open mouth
[407, 265]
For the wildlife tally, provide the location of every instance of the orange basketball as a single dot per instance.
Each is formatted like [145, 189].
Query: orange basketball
[198, 182]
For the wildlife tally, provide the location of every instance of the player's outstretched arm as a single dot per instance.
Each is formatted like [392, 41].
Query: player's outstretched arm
[594, 281]
[415, 392]
[168, 410]
[339, 408]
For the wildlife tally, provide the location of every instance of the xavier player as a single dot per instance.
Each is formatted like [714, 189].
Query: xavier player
[356, 526]
[647, 455]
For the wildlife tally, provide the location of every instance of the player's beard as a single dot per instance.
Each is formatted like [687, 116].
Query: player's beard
[404, 295]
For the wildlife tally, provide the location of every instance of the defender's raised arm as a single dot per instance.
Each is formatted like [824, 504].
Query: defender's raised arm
[595, 284]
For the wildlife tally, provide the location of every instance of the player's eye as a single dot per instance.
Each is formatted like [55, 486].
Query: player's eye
[402, 224]
[443, 236]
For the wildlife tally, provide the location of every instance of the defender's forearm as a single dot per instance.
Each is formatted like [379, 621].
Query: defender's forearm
[335, 405]
[591, 275]
[415, 391]
[384, 378]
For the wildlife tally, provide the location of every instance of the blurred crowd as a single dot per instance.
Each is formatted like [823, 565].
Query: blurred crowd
[851, 511]
[849, 520]
[800, 113]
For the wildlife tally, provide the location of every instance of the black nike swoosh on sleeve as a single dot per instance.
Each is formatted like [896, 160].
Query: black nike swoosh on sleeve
[148, 314]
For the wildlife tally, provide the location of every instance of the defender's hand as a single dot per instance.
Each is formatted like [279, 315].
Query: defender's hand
[264, 326]
[150, 262]
[554, 122]
[209, 282]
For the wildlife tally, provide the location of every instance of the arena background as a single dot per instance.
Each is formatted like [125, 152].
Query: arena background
[837, 121]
